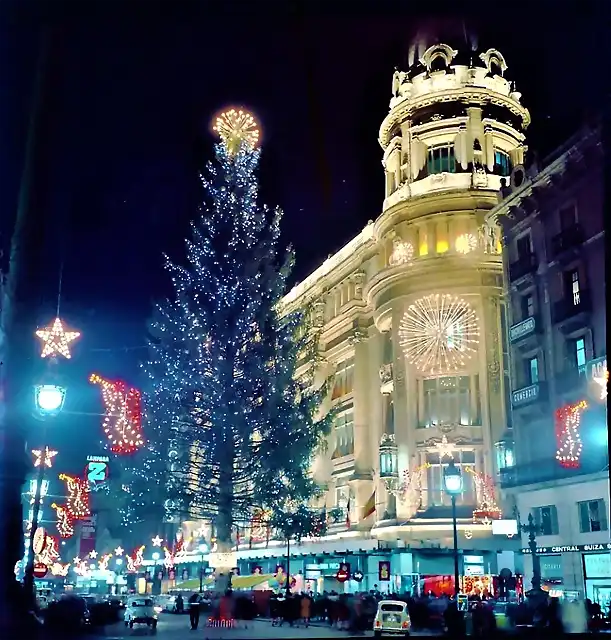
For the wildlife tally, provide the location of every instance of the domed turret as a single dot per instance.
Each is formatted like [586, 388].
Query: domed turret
[455, 121]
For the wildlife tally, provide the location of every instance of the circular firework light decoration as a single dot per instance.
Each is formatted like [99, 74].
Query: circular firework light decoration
[466, 243]
[439, 333]
[236, 127]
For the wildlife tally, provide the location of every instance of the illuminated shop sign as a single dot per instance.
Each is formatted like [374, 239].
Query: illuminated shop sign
[571, 548]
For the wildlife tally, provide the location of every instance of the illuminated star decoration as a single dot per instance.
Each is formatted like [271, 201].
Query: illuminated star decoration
[93, 554]
[56, 340]
[119, 551]
[47, 457]
[123, 419]
[569, 443]
[603, 382]
[78, 496]
[157, 541]
[236, 127]
[65, 523]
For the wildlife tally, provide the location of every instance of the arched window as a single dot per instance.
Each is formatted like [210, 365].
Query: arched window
[502, 163]
[438, 63]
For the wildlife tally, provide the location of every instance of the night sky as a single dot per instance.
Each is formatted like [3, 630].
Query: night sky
[128, 130]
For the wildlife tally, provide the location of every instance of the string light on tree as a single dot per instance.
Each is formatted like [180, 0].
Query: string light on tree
[568, 419]
[123, 419]
[78, 496]
[43, 456]
[56, 340]
[235, 127]
[65, 523]
[439, 333]
[466, 243]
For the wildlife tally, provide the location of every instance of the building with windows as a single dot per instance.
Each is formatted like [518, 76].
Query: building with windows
[412, 325]
[554, 462]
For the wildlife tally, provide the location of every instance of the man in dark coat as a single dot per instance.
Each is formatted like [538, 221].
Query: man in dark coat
[194, 610]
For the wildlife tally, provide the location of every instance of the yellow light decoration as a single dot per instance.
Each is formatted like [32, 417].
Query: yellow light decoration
[56, 340]
[466, 243]
[65, 523]
[104, 560]
[487, 508]
[424, 248]
[43, 457]
[439, 333]
[235, 127]
[59, 569]
[402, 253]
[442, 246]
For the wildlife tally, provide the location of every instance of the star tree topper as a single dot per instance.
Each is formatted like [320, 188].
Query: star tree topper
[44, 457]
[56, 340]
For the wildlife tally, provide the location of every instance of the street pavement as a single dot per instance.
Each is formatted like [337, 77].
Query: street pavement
[173, 627]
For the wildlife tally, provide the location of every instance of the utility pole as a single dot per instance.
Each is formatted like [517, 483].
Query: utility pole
[17, 324]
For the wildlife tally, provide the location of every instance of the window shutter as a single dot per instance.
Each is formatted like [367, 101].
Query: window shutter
[584, 517]
[554, 519]
[602, 514]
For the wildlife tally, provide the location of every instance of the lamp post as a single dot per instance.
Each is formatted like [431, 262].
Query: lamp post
[48, 402]
[203, 548]
[532, 528]
[452, 480]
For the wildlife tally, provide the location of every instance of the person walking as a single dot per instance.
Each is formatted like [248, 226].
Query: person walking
[180, 605]
[194, 610]
[306, 607]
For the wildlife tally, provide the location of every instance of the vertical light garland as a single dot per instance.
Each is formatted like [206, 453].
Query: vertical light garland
[568, 419]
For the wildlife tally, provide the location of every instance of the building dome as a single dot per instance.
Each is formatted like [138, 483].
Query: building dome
[455, 32]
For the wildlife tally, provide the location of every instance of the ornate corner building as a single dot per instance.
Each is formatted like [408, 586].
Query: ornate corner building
[412, 320]
[554, 460]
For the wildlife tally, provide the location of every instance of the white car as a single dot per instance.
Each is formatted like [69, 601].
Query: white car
[392, 618]
[140, 611]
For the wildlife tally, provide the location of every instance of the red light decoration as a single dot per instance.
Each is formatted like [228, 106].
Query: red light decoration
[568, 419]
[136, 559]
[123, 420]
[50, 553]
[487, 508]
[77, 502]
[65, 523]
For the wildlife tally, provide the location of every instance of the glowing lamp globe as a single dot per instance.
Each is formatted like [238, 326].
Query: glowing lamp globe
[49, 398]
[452, 480]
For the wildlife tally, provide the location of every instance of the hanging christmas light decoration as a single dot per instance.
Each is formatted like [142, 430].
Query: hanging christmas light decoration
[65, 523]
[77, 501]
[104, 560]
[136, 559]
[568, 439]
[50, 553]
[235, 127]
[411, 488]
[43, 456]
[487, 507]
[93, 554]
[60, 570]
[123, 419]
[259, 528]
[402, 253]
[603, 383]
[466, 243]
[439, 333]
[168, 560]
[157, 541]
[56, 340]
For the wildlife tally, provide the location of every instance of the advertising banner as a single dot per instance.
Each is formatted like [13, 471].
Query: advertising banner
[384, 571]
[87, 535]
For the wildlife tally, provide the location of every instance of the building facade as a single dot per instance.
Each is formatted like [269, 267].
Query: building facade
[411, 318]
[554, 462]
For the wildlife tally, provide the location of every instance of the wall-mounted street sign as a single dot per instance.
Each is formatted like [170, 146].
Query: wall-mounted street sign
[568, 548]
[96, 470]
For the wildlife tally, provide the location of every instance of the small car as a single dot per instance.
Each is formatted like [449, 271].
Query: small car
[392, 618]
[140, 611]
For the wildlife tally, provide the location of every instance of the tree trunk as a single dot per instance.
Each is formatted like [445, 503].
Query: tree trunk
[224, 519]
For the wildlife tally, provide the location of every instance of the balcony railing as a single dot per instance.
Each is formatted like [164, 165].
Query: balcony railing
[571, 379]
[548, 470]
[522, 329]
[523, 266]
[529, 395]
[567, 239]
[566, 308]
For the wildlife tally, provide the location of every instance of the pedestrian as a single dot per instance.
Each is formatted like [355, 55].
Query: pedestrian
[180, 605]
[194, 610]
[306, 606]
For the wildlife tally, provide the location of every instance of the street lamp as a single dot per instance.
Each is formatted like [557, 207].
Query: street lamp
[203, 548]
[452, 481]
[49, 399]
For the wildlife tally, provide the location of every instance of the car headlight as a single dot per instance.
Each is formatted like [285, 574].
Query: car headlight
[158, 609]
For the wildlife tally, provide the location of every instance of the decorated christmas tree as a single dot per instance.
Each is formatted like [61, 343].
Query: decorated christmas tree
[225, 354]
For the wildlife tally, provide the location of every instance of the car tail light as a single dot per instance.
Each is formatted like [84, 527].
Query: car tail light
[405, 624]
[377, 623]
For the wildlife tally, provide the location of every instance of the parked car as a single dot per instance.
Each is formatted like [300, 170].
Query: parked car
[392, 618]
[140, 611]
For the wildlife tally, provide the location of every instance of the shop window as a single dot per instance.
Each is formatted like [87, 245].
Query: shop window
[450, 399]
[504, 455]
[592, 516]
[344, 379]
[502, 163]
[441, 159]
[344, 435]
[436, 493]
[546, 519]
